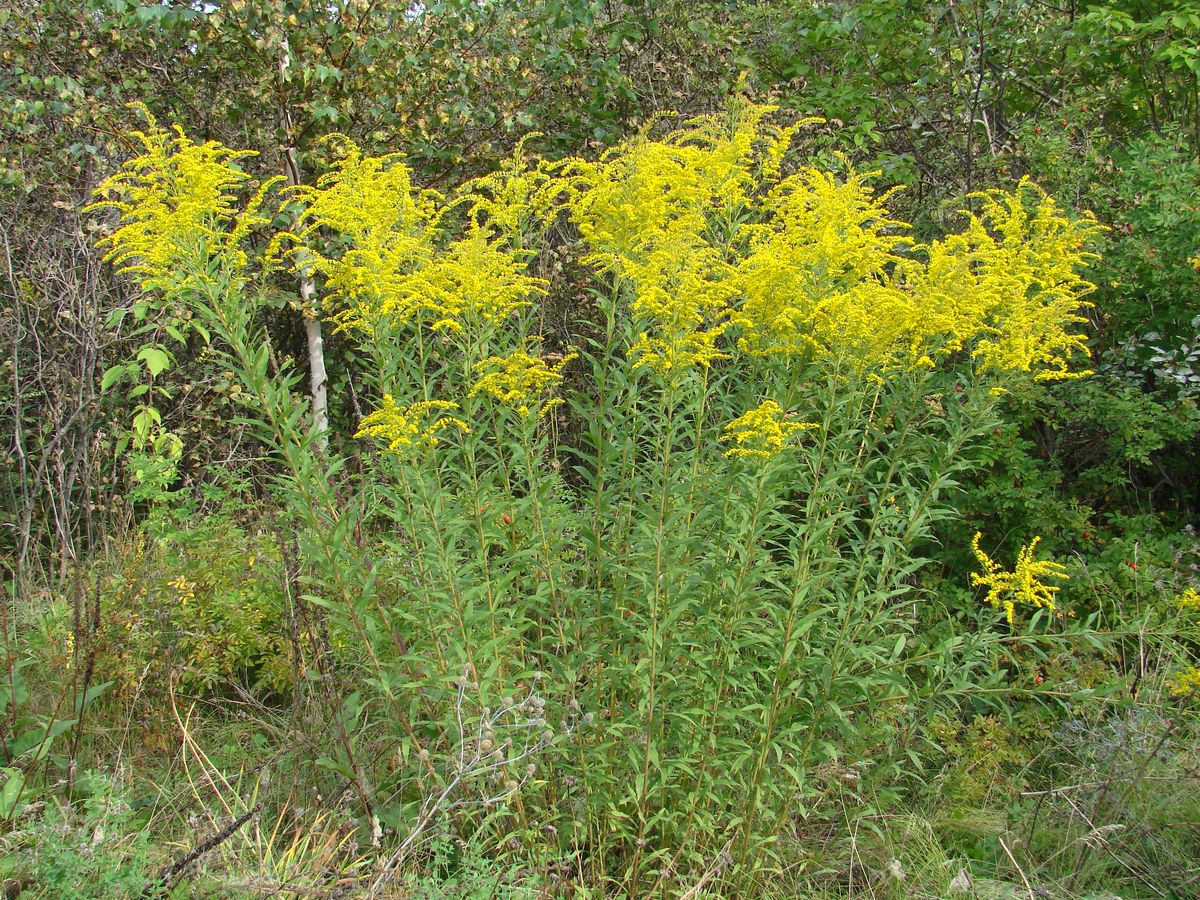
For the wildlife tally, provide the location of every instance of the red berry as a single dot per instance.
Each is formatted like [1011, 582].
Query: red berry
[958, 389]
[506, 519]
[1132, 565]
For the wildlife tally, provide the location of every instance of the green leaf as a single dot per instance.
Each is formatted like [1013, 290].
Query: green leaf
[155, 358]
[10, 794]
[113, 375]
[92, 693]
[16, 692]
[334, 766]
[62, 726]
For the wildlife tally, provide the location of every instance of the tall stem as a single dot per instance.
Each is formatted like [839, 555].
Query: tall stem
[318, 378]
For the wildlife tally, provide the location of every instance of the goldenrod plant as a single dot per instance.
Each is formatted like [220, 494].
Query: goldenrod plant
[1028, 584]
[695, 522]
[1186, 682]
[180, 210]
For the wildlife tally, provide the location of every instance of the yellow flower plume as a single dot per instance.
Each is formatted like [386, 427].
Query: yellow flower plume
[1026, 584]
[1189, 599]
[646, 211]
[178, 202]
[518, 380]
[414, 426]
[761, 433]
[1185, 683]
[708, 239]
[1008, 285]
[392, 259]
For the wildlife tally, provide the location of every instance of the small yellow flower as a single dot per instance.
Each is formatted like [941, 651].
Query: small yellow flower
[1189, 599]
[1025, 584]
[762, 432]
[413, 426]
[518, 379]
[1185, 683]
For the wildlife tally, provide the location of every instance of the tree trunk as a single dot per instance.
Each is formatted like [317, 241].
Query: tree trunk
[318, 378]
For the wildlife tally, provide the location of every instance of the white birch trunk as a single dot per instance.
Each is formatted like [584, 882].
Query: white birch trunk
[318, 377]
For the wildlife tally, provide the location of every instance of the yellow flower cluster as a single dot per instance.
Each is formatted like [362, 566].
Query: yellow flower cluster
[390, 261]
[179, 199]
[761, 433]
[414, 426]
[1189, 599]
[816, 276]
[1009, 284]
[707, 237]
[650, 213]
[1185, 683]
[516, 199]
[518, 380]
[1026, 584]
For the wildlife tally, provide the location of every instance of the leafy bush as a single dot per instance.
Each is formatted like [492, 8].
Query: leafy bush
[204, 604]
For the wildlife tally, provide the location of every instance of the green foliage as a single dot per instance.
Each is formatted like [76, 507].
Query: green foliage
[1155, 238]
[459, 869]
[33, 739]
[1066, 454]
[1147, 56]
[88, 850]
[202, 604]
